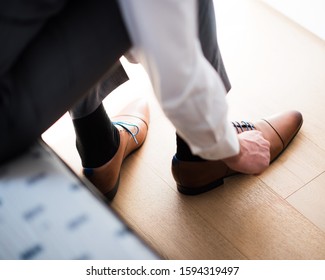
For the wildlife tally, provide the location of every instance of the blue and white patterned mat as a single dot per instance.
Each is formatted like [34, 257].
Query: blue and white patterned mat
[46, 212]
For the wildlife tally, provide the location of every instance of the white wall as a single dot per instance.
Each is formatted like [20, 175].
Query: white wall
[308, 13]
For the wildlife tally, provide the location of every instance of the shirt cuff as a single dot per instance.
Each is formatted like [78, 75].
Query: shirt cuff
[227, 146]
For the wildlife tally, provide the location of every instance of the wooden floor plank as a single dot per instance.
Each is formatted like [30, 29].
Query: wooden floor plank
[299, 164]
[310, 201]
[159, 214]
[258, 222]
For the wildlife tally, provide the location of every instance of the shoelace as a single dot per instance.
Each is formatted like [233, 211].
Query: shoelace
[124, 125]
[243, 125]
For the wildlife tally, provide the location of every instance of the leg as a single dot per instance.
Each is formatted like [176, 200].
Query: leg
[112, 79]
[104, 144]
[210, 48]
[62, 58]
[97, 139]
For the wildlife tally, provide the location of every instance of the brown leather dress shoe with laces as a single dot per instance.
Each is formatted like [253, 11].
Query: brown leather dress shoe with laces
[195, 177]
[132, 123]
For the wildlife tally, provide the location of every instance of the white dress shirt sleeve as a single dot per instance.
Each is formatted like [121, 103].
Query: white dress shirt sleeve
[165, 39]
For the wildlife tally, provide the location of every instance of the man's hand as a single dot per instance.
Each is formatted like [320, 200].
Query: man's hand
[254, 155]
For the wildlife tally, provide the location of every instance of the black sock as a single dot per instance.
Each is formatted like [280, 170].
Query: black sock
[97, 139]
[183, 151]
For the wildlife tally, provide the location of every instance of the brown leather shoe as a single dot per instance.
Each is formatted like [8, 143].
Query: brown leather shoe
[200, 176]
[132, 123]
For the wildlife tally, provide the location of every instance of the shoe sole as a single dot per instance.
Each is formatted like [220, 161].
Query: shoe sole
[196, 191]
[112, 193]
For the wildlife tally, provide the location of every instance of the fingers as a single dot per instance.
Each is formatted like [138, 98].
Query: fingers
[254, 156]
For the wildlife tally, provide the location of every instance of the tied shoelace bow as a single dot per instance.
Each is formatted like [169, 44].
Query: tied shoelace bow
[243, 126]
[124, 125]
